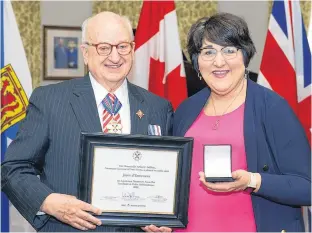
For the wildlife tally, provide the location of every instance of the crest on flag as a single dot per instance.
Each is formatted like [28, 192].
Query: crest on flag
[14, 99]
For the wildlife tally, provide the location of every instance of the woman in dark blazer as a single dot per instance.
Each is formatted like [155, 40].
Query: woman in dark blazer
[271, 156]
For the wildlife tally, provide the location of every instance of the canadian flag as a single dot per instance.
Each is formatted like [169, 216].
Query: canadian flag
[158, 64]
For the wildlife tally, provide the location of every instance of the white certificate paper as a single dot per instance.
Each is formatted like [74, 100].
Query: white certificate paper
[134, 180]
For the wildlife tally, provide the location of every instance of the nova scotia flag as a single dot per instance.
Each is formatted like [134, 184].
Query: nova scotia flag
[16, 87]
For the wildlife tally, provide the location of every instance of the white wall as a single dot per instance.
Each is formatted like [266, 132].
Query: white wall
[64, 13]
[256, 14]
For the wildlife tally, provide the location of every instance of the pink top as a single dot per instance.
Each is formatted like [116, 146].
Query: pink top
[213, 211]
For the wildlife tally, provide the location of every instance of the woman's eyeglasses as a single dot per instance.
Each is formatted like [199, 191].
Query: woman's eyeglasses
[209, 54]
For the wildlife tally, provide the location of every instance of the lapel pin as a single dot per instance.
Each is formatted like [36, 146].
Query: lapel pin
[140, 114]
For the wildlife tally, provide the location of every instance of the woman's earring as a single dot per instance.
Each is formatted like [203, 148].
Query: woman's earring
[199, 76]
[246, 73]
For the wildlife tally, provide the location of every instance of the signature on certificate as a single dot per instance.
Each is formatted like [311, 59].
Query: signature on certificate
[111, 198]
[131, 196]
[158, 198]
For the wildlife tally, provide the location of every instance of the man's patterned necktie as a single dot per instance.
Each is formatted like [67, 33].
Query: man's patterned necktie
[111, 117]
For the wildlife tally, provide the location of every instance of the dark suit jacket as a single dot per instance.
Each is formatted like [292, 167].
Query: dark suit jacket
[276, 147]
[48, 144]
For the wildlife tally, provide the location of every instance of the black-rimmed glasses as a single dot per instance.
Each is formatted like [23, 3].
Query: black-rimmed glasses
[105, 49]
[209, 54]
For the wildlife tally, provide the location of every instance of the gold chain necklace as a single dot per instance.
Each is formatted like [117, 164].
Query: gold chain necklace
[215, 126]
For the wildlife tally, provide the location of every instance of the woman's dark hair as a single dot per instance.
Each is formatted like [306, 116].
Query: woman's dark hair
[223, 29]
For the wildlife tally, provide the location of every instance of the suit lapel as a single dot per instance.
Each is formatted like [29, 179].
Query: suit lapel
[250, 136]
[136, 100]
[84, 106]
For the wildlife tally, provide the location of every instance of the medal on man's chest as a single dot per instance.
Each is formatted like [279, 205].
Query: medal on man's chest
[113, 107]
[114, 127]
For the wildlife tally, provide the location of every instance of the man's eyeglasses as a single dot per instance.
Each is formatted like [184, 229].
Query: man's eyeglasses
[105, 49]
[209, 54]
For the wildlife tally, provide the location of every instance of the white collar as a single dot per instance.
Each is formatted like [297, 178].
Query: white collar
[100, 92]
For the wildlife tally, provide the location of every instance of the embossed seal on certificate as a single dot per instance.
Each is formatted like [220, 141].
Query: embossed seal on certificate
[137, 155]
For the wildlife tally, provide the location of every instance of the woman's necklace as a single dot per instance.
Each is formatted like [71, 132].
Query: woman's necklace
[215, 126]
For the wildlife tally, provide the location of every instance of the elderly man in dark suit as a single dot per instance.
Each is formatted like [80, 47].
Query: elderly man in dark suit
[48, 141]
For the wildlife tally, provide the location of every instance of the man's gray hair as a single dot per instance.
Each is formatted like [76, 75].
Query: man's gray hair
[85, 25]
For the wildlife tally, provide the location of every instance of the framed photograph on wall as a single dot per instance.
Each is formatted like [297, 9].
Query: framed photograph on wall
[62, 58]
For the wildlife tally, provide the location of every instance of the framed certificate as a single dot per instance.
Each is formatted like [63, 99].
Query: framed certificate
[136, 180]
